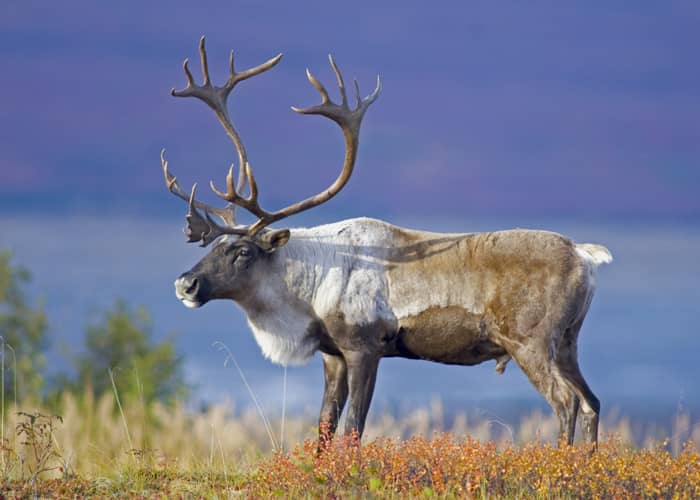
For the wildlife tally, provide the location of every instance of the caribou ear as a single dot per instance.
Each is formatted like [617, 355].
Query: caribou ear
[272, 240]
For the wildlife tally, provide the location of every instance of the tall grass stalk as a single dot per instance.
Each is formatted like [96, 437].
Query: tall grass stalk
[2, 401]
[211, 449]
[2, 391]
[508, 428]
[144, 411]
[680, 427]
[223, 457]
[15, 376]
[121, 411]
[229, 356]
[284, 407]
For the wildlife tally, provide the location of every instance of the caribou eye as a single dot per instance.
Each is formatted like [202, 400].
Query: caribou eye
[244, 252]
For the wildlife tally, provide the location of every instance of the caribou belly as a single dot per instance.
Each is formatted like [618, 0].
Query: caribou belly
[449, 335]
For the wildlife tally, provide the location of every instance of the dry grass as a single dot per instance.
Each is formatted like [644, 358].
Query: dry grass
[98, 450]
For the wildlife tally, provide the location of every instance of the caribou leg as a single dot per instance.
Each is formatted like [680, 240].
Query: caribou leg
[362, 374]
[590, 405]
[335, 393]
[547, 377]
[568, 366]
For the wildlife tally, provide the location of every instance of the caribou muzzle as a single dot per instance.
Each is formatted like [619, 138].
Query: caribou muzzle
[188, 289]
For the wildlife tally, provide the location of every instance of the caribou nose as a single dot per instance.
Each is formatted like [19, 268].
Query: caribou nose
[192, 287]
[187, 286]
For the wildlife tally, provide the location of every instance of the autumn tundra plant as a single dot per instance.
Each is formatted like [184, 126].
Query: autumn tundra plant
[466, 468]
[362, 289]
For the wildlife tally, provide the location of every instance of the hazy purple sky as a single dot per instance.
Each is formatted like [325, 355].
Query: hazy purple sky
[587, 109]
[580, 117]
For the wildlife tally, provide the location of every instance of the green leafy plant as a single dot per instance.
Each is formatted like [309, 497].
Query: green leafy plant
[23, 330]
[121, 354]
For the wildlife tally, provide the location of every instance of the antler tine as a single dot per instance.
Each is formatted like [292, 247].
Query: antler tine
[234, 77]
[204, 229]
[188, 75]
[340, 113]
[341, 83]
[232, 195]
[319, 86]
[364, 103]
[203, 60]
[198, 227]
[358, 99]
[226, 215]
[251, 181]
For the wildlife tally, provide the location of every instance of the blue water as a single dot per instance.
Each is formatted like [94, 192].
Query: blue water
[638, 347]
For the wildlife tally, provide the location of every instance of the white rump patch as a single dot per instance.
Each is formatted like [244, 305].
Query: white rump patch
[592, 256]
[596, 254]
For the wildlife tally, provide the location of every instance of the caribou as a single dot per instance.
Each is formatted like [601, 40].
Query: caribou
[360, 290]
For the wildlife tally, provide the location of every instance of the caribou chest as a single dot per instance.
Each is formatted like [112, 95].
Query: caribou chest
[284, 335]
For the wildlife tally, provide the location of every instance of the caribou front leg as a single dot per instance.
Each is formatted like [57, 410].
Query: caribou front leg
[362, 374]
[335, 393]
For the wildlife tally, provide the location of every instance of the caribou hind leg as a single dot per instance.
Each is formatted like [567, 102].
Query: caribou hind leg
[540, 367]
[551, 364]
[567, 361]
[590, 405]
[565, 403]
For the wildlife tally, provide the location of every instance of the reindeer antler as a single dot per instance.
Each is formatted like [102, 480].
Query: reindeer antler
[200, 228]
[203, 228]
[349, 120]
